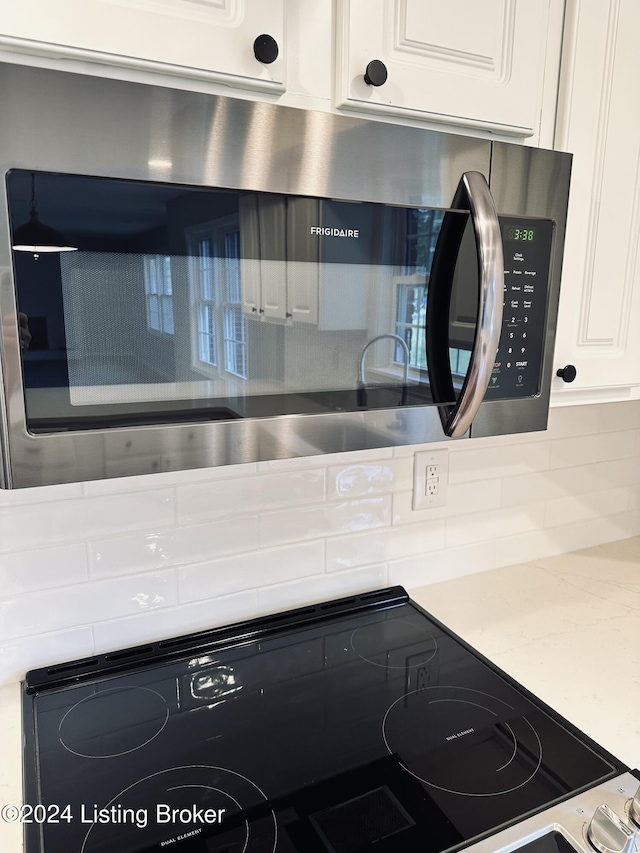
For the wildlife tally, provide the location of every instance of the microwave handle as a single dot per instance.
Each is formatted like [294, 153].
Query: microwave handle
[473, 195]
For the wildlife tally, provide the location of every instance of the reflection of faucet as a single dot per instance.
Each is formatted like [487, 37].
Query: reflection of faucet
[362, 391]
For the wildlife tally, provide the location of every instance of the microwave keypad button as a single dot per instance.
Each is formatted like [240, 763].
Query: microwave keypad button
[522, 341]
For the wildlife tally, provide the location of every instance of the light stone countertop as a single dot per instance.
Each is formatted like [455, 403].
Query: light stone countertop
[566, 627]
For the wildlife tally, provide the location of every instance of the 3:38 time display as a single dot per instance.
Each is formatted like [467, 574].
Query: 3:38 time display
[527, 235]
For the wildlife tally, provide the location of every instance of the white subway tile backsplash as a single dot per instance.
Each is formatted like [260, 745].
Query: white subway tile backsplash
[529, 437]
[388, 543]
[463, 498]
[109, 564]
[492, 524]
[248, 571]
[148, 551]
[271, 599]
[369, 478]
[167, 479]
[29, 571]
[573, 451]
[174, 621]
[584, 534]
[569, 421]
[634, 496]
[545, 485]
[278, 528]
[567, 452]
[593, 505]
[503, 461]
[425, 569]
[550, 541]
[53, 522]
[56, 609]
[249, 495]
[454, 445]
[357, 549]
[40, 494]
[617, 445]
[619, 416]
[527, 546]
[17, 657]
[617, 472]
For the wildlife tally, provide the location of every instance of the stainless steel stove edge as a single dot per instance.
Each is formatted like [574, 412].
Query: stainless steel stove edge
[570, 818]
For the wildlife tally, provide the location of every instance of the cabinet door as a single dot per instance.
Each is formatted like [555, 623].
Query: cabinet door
[599, 122]
[201, 38]
[478, 63]
[250, 254]
[302, 260]
[272, 226]
[263, 268]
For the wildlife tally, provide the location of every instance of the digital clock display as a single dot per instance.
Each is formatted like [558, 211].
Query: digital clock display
[524, 235]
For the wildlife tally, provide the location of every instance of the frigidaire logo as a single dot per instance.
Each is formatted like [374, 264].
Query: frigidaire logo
[335, 232]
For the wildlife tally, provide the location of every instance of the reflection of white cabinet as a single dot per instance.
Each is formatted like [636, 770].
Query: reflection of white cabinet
[263, 273]
[302, 267]
[212, 39]
[477, 63]
[284, 272]
[599, 122]
[322, 289]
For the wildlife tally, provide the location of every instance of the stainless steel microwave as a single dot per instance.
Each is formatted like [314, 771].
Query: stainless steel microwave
[188, 280]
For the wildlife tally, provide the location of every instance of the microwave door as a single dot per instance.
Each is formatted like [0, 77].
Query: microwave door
[473, 195]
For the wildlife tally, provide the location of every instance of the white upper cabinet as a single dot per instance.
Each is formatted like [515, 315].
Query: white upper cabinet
[210, 39]
[482, 64]
[488, 66]
[599, 122]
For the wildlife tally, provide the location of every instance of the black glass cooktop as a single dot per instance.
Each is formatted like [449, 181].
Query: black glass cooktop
[362, 724]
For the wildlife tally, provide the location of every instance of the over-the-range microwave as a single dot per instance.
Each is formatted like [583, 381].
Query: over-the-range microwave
[188, 280]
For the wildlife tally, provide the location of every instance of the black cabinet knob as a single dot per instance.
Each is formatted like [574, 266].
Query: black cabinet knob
[265, 49]
[376, 73]
[568, 373]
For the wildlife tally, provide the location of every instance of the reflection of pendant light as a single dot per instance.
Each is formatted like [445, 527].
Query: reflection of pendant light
[35, 237]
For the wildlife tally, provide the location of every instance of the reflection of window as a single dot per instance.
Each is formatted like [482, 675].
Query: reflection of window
[422, 229]
[411, 309]
[158, 293]
[215, 253]
[235, 337]
[205, 301]
[459, 360]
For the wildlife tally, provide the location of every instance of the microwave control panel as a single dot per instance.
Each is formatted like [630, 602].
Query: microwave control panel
[526, 245]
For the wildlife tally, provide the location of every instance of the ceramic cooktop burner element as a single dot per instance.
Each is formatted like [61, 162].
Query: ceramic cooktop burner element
[192, 802]
[377, 642]
[113, 721]
[462, 741]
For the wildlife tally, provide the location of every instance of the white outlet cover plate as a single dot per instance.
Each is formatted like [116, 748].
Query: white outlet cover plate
[421, 461]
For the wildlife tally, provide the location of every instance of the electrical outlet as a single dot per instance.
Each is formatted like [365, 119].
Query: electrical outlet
[422, 672]
[430, 476]
[432, 486]
[423, 679]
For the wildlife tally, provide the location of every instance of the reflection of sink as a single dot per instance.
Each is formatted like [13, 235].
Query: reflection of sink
[381, 396]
